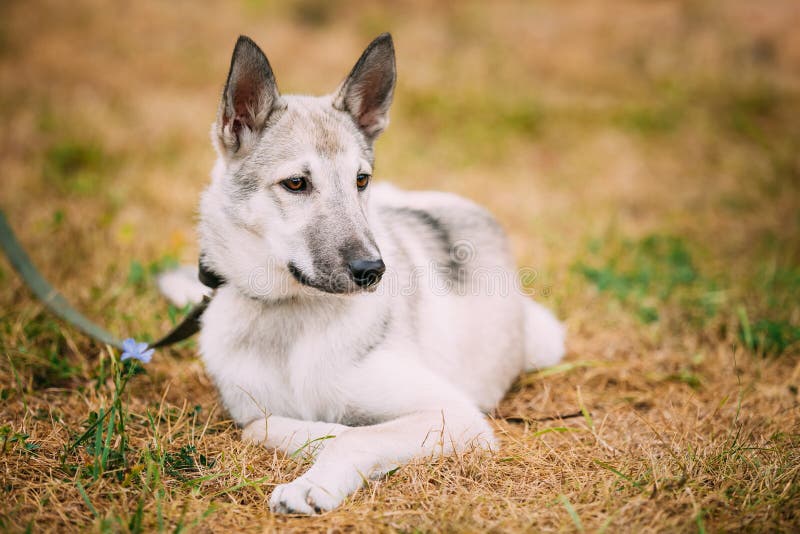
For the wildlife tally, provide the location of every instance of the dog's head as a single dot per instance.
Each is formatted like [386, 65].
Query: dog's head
[287, 206]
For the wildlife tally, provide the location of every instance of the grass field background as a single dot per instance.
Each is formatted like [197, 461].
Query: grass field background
[643, 156]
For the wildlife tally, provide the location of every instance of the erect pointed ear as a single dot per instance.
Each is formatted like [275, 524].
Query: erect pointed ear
[249, 97]
[367, 92]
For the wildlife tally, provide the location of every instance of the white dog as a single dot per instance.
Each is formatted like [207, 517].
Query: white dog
[366, 324]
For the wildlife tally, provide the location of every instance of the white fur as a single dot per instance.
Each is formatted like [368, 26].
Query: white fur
[291, 361]
[181, 287]
[544, 337]
[365, 380]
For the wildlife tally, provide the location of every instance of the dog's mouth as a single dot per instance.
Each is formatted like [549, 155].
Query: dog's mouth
[337, 283]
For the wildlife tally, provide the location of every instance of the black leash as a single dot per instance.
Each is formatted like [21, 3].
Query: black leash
[58, 305]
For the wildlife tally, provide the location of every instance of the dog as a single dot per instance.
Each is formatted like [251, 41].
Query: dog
[364, 325]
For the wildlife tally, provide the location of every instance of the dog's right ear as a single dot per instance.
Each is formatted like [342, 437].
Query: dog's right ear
[367, 92]
[250, 96]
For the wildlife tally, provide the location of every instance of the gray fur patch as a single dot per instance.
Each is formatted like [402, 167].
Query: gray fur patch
[414, 298]
[449, 262]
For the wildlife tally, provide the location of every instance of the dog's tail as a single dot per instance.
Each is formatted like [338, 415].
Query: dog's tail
[181, 286]
[544, 337]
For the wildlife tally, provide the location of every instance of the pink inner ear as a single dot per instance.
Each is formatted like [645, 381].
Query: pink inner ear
[237, 126]
[367, 120]
[370, 103]
[245, 100]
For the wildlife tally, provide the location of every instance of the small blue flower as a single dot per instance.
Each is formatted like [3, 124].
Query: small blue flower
[138, 351]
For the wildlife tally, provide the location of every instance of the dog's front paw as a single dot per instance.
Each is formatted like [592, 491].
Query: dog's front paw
[255, 432]
[303, 497]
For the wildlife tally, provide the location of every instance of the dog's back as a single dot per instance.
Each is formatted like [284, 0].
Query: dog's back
[457, 286]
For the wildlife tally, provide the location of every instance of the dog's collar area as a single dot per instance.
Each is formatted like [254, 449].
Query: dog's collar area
[208, 277]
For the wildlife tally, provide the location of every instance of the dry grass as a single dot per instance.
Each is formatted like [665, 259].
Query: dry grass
[642, 155]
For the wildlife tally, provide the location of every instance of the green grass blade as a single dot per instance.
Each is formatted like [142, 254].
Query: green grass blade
[586, 415]
[747, 332]
[576, 520]
[89, 431]
[240, 485]
[701, 524]
[308, 443]
[85, 498]
[617, 472]
[109, 436]
[98, 443]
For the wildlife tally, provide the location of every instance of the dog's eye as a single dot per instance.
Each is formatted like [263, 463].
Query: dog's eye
[362, 180]
[295, 184]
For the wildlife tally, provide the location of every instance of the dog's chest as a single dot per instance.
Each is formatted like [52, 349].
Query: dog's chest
[284, 361]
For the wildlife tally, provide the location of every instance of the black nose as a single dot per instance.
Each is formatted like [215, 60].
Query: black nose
[367, 272]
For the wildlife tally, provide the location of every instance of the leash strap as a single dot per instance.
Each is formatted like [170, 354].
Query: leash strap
[186, 328]
[58, 305]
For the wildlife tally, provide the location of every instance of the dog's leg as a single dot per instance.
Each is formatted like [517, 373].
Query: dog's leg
[366, 452]
[291, 435]
[358, 453]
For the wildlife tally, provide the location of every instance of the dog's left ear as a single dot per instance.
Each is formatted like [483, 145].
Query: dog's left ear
[367, 92]
[250, 96]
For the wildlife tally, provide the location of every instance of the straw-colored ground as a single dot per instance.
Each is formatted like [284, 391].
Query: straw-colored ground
[644, 157]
